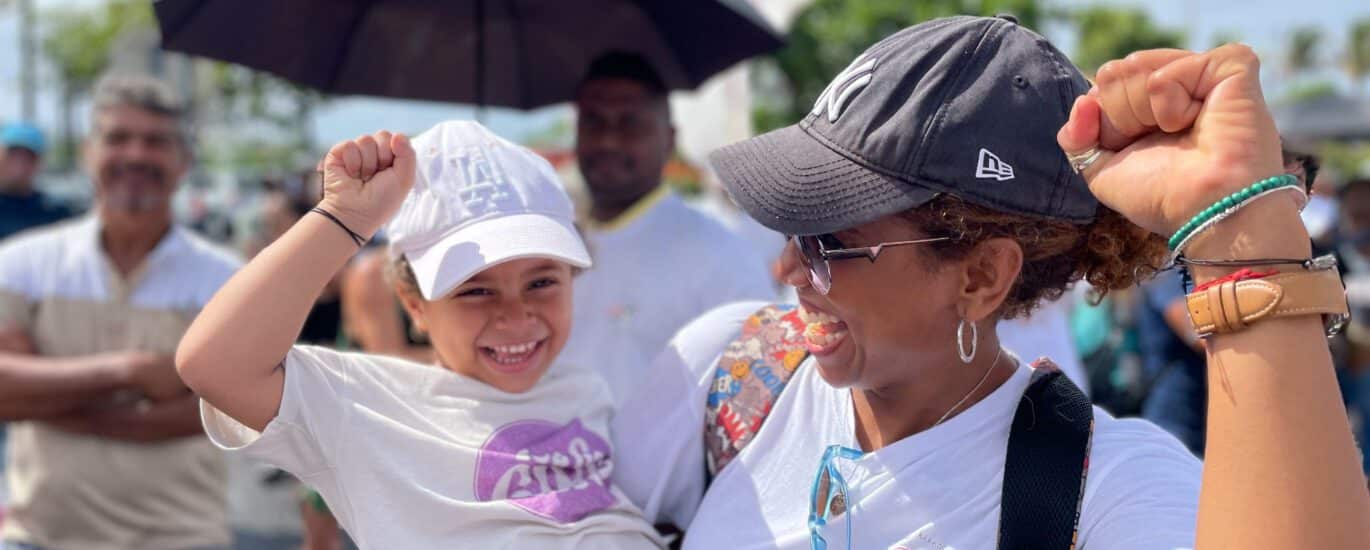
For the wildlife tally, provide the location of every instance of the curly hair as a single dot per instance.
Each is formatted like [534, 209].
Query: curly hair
[1111, 253]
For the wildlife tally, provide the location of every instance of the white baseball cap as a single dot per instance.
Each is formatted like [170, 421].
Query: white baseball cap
[479, 200]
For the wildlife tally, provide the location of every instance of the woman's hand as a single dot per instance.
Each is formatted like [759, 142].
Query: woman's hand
[1178, 130]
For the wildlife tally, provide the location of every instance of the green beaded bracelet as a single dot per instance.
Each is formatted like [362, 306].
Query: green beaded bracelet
[1229, 204]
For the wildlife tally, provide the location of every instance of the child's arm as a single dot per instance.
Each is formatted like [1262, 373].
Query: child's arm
[231, 355]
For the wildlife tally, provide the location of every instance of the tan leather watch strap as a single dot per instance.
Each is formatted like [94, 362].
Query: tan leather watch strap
[1231, 306]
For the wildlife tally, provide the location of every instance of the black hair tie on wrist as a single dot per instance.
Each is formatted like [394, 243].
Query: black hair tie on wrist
[361, 241]
[1181, 260]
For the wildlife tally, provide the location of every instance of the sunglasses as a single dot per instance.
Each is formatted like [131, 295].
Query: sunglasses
[829, 492]
[817, 250]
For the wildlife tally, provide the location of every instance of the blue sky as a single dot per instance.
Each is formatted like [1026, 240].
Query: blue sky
[1265, 24]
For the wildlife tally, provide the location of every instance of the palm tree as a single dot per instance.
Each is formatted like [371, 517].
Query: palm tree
[1303, 50]
[1358, 55]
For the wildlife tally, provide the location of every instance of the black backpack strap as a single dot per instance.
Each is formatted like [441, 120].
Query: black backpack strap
[1048, 458]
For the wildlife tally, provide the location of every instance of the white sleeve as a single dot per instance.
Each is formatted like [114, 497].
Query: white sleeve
[301, 438]
[1145, 496]
[659, 431]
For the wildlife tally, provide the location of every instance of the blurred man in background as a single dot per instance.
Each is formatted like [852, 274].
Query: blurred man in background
[1353, 227]
[659, 263]
[1352, 247]
[107, 450]
[22, 205]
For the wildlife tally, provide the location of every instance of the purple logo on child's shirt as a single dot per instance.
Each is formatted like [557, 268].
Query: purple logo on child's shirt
[557, 472]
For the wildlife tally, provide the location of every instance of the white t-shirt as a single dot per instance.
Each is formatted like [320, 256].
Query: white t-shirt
[69, 490]
[936, 489]
[415, 456]
[656, 268]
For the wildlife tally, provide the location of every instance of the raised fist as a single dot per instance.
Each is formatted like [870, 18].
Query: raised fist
[1178, 130]
[366, 179]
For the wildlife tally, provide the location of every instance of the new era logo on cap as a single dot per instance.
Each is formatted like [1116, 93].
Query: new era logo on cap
[990, 166]
[847, 84]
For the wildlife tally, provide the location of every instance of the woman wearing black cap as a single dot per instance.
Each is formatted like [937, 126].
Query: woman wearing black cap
[928, 197]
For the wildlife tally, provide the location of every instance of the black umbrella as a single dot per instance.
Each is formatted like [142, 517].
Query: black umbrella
[512, 53]
[1330, 117]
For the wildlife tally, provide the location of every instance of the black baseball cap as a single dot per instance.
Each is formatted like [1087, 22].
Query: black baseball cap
[968, 106]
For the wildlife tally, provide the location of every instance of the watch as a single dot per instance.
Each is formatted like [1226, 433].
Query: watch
[1234, 305]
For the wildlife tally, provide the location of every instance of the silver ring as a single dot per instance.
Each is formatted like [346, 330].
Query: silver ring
[1082, 161]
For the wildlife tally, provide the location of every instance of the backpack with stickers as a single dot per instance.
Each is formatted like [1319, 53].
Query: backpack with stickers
[1048, 447]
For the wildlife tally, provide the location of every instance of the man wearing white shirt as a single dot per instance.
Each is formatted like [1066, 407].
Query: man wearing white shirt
[106, 452]
[659, 262]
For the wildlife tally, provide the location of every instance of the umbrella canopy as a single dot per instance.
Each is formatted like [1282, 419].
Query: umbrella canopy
[512, 53]
[1331, 117]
